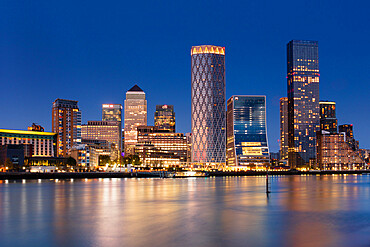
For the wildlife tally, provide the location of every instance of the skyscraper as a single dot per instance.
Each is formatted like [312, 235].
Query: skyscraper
[247, 144]
[349, 137]
[135, 115]
[113, 112]
[164, 118]
[66, 122]
[208, 120]
[284, 128]
[303, 101]
[328, 119]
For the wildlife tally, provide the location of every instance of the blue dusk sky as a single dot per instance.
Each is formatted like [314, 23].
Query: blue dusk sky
[94, 51]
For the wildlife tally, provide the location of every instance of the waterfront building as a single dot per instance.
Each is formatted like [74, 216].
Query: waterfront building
[66, 122]
[158, 147]
[164, 118]
[135, 115]
[303, 101]
[13, 153]
[328, 118]
[284, 128]
[36, 143]
[188, 141]
[104, 130]
[36, 127]
[208, 120]
[247, 144]
[349, 137]
[334, 153]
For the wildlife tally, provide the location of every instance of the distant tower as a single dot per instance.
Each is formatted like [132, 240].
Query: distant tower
[208, 120]
[284, 128]
[164, 118]
[247, 144]
[303, 101]
[66, 122]
[328, 119]
[135, 115]
[349, 137]
[113, 112]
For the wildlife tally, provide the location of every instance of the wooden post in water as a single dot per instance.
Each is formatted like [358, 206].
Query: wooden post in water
[267, 182]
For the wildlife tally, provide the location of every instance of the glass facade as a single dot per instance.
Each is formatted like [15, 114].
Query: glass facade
[208, 120]
[247, 144]
[284, 128]
[303, 101]
[164, 118]
[328, 119]
[113, 112]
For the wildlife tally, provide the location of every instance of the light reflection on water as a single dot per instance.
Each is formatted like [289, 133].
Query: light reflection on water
[227, 211]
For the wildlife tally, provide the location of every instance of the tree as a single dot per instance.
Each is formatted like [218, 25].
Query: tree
[9, 164]
[71, 162]
[104, 159]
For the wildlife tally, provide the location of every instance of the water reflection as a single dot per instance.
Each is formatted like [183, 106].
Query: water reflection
[229, 211]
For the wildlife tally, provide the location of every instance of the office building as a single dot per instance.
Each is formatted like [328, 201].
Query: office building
[36, 143]
[328, 118]
[135, 115]
[208, 116]
[247, 145]
[158, 147]
[349, 137]
[334, 153]
[284, 128]
[164, 118]
[66, 122]
[104, 130]
[303, 101]
[113, 112]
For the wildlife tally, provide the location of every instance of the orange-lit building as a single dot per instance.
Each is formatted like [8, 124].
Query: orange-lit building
[104, 130]
[334, 153]
[160, 147]
[66, 122]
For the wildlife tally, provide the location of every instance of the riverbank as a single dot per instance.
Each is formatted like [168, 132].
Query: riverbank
[90, 175]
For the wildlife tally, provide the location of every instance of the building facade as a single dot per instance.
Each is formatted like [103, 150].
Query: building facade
[135, 115]
[39, 144]
[160, 147]
[208, 117]
[113, 112]
[109, 131]
[303, 101]
[349, 137]
[247, 144]
[164, 118]
[284, 128]
[328, 118]
[66, 122]
[334, 153]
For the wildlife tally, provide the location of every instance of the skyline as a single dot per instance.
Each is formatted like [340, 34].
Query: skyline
[99, 65]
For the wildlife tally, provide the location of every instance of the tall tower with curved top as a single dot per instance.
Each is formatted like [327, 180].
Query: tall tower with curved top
[208, 99]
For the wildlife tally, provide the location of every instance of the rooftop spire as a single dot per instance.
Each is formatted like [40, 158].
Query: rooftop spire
[135, 88]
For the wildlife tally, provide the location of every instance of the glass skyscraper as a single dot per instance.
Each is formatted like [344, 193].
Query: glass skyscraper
[247, 144]
[303, 101]
[284, 128]
[113, 112]
[328, 119]
[208, 120]
[164, 118]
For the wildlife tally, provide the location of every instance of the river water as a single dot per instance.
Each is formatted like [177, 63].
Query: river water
[331, 210]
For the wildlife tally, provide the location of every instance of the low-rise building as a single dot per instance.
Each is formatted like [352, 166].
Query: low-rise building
[160, 147]
[334, 153]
